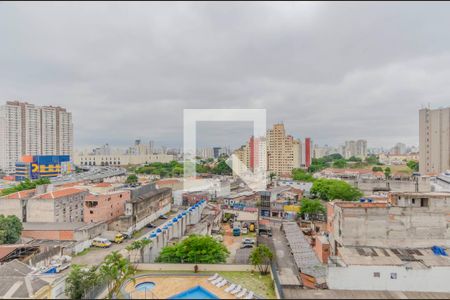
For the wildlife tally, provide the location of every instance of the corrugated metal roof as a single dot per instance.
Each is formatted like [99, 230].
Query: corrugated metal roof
[304, 256]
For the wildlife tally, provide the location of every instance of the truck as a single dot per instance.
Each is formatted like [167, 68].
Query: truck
[113, 236]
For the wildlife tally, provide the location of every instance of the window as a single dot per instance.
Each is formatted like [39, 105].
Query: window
[91, 212]
[376, 274]
[424, 202]
[393, 275]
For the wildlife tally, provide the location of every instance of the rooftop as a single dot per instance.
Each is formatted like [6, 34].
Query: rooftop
[413, 258]
[15, 281]
[60, 193]
[21, 195]
[347, 294]
[304, 256]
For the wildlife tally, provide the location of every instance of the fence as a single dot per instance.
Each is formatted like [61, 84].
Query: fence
[96, 291]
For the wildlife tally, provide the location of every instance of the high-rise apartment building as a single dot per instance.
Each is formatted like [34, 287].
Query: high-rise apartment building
[308, 152]
[298, 154]
[26, 129]
[361, 149]
[355, 148]
[434, 140]
[280, 151]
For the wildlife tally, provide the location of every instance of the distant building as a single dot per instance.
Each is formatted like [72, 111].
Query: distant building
[120, 159]
[280, 151]
[434, 140]
[26, 129]
[40, 166]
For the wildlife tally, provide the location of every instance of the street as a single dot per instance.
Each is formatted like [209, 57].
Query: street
[96, 255]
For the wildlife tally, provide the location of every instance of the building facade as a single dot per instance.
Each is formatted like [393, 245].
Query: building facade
[61, 206]
[26, 129]
[280, 151]
[99, 207]
[120, 159]
[434, 140]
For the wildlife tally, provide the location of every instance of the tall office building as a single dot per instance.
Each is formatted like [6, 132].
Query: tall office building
[26, 129]
[434, 140]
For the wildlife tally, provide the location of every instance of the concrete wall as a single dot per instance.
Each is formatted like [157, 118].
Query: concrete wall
[60, 235]
[435, 279]
[368, 185]
[201, 267]
[10, 207]
[398, 227]
[41, 210]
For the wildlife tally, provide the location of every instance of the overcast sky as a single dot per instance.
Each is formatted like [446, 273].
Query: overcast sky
[330, 71]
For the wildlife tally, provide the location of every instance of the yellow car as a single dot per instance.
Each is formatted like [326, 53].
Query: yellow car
[101, 243]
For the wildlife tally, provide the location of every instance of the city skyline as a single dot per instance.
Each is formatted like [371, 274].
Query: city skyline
[330, 87]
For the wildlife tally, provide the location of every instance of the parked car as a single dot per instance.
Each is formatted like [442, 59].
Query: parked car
[150, 225]
[248, 241]
[247, 246]
[244, 230]
[101, 243]
[163, 217]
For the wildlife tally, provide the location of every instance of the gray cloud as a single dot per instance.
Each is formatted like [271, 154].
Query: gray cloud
[332, 71]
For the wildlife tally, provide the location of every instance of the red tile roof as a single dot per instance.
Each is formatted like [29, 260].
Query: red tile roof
[21, 194]
[60, 193]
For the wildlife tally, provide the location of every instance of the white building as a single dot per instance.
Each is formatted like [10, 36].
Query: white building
[10, 137]
[434, 140]
[120, 159]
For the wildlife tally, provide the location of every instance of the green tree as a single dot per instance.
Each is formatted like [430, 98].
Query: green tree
[331, 189]
[27, 184]
[132, 179]
[377, 169]
[195, 249]
[311, 208]
[80, 280]
[355, 159]
[340, 163]
[372, 160]
[261, 257]
[413, 165]
[116, 270]
[222, 168]
[272, 175]
[10, 229]
[139, 245]
[387, 172]
[302, 175]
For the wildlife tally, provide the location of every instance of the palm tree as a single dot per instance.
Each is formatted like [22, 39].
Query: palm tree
[116, 269]
[139, 245]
